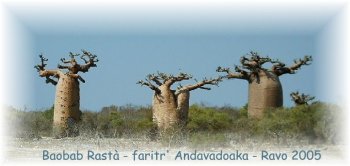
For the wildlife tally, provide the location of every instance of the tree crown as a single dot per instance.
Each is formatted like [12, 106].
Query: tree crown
[73, 68]
[252, 63]
[154, 81]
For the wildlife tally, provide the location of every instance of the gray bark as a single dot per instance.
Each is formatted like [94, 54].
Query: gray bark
[164, 109]
[265, 91]
[169, 107]
[183, 106]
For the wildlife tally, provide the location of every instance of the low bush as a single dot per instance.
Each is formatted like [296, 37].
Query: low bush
[316, 122]
[208, 119]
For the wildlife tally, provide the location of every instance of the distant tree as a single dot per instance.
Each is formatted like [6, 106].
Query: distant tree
[66, 108]
[301, 99]
[170, 107]
[265, 89]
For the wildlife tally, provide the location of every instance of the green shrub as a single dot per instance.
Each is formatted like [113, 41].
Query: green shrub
[207, 119]
[113, 121]
[88, 124]
[318, 121]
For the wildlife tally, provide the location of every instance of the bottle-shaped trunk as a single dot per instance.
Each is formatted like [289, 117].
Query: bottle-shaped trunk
[170, 107]
[183, 103]
[66, 110]
[164, 110]
[265, 91]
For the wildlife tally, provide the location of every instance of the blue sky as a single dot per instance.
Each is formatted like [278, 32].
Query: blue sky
[126, 59]
[134, 41]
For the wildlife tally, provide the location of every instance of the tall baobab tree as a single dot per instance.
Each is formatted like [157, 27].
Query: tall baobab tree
[170, 107]
[66, 79]
[265, 89]
[301, 99]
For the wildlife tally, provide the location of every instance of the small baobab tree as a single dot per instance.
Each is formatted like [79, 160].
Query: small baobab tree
[265, 89]
[67, 101]
[301, 99]
[170, 107]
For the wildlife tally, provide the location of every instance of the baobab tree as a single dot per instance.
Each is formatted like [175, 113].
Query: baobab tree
[170, 107]
[265, 89]
[301, 99]
[66, 79]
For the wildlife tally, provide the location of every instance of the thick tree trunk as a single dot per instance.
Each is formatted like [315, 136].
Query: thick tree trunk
[164, 108]
[265, 91]
[183, 103]
[66, 109]
[170, 110]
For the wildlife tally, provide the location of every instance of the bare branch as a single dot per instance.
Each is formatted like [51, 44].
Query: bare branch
[223, 69]
[254, 62]
[298, 63]
[63, 60]
[205, 81]
[162, 79]
[240, 73]
[163, 76]
[46, 73]
[42, 65]
[50, 80]
[72, 55]
[279, 68]
[63, 67]
[250, 64]
[180, 77]
[301, 99]
[277, 63]
[155, 79]
[74, 67]
[89, 60]
[149, 84]
[205, 88]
